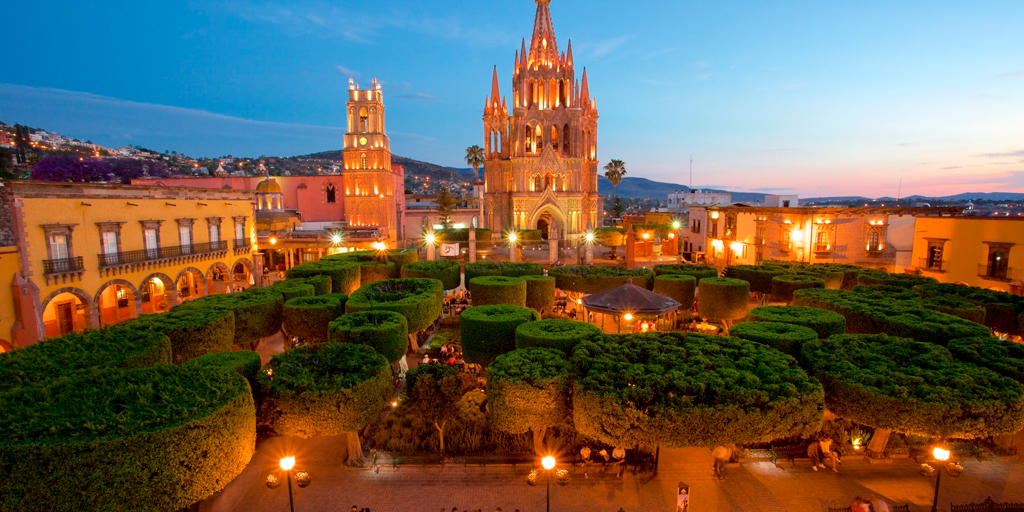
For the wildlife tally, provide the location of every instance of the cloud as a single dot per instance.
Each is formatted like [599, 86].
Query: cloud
[771, 189]
[1014, 74]
[418, 96]
[395, 86]
[605, 47]
[1010, 154]
[950, 168]
[346, 71]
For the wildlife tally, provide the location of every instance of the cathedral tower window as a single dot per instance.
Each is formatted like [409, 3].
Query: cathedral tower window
[538, 137]
[554, 138]
[529, 139]
[364, 121]
[565, 139]
[362, 162]
[331, 193]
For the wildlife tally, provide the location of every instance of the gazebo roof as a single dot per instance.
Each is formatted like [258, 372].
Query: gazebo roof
[630, 298]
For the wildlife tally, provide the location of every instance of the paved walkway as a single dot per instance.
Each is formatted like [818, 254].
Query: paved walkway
[750, 487]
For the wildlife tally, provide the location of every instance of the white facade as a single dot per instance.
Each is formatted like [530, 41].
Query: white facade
[680, 201]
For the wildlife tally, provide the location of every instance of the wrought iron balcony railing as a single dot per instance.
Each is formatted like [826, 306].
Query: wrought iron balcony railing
[63, 265]
[161, 253]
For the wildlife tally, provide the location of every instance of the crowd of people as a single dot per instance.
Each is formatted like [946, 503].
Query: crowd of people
[617, 457]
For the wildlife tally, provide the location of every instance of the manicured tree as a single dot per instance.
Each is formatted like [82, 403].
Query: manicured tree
[1001, 356]
[830, 279]
[418, 300]
[528, 390]
[783, 286]
[681, 287]
[902, 385]
[825, 323]
[322, 284]
[554, 333]
[866, 314]
[500, 268]
[490, 290]
[307, 318]
[385, 331]
[246, 363]
[158, 438]
[345, 275]
[786, 338]
[434, 391]
[294, 288]
[956, 306]
[759, 277]
[540, 292]
[325, 390]
[447, 271]
[257, 311]
[193, 332]
[697, 271]
[591, 279]
[851, 273]
[723, 299]
[1001, 309]
[610, 238]
[689, 390]
[489, 331]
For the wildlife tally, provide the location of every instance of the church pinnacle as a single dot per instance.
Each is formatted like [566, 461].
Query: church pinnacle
[543, 49]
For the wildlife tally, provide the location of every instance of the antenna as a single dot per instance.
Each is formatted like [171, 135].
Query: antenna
[691, 171]
[899, 192]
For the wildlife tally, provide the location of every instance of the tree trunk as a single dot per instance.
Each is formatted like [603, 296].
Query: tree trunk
[440, 436]
[538, 440]
[353, 449]
[879, 440]
[412, 342]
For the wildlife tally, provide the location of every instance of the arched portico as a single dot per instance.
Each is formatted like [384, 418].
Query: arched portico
[157, 293]
[190, 283]
[218, 278]
[117, 300]
[67, 310]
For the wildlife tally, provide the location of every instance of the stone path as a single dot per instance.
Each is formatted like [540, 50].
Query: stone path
[750, 487]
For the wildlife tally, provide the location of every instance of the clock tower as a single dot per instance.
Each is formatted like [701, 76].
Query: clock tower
[369, 182]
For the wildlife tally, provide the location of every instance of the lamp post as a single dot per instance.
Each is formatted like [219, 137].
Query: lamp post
[676, 225]
[512, 238]
[302, 478]
[548, 463]
[941, 454]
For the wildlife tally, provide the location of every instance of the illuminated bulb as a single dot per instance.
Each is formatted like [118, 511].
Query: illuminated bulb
[628, 316]
[941, 454]
[336, 239]
[512, 237]
[273, 240]
[287, 463]
[590, 237]
[548, 462]
[431, 238]
[647, 236]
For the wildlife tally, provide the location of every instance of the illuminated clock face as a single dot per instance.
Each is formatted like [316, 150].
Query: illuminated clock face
[362, 141]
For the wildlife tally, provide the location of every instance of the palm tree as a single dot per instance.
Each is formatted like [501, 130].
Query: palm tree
[614, 171]
[475, 158]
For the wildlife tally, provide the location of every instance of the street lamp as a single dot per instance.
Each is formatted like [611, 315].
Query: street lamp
[302, 478]
[941, 454]
[512, 238]
[561, 476]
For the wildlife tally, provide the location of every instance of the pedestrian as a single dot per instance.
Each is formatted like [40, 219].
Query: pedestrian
[619, 454]
[721, 455]
[444, 350]
[879, 505]
[354, 509]
[860, 505]
[826, 452]
[585, 459]
[814, 452]
[426, 358]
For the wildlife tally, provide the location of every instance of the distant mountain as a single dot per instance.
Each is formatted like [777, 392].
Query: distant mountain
[967, 196]
[638, 188]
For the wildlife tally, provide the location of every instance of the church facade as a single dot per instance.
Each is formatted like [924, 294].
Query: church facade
[540, 169]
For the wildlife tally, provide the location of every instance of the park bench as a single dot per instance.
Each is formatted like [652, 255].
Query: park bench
[987, 506]
[790, 453]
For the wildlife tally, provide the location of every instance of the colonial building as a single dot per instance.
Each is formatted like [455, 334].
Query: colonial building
[80, 256]
[979, 251]
[541, 159]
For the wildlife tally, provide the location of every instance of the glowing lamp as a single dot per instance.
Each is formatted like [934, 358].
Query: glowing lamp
[647, 236]
[589, 237]
[714, 215]
[628, 316]
[512, 237]
[737, 247]
[273, 240]
[548, 462]
[431, 238]
[940, 454]
[287, 463]
[676, 224]
[336, 239]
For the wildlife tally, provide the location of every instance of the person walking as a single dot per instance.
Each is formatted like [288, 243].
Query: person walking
[585, 460]
[619, 454]
[722, 454]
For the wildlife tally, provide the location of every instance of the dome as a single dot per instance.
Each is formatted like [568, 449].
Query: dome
[268, 186]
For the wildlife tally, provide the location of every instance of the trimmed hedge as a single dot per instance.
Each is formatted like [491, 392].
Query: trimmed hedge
[501, 268]
[913, 387]
[386, 332]
[554, 333]
[1002, 309]
[957, 307]
[697, 271]
[540, 292]
[610, 237]
[722, 298]
[158, 438]
[784, 286]
[528, 389]
[322, 284]
[887, 292]
[680, 390]
[294, 288]
[591, 279]
[246, 363]
[681, 287]
[523, 236]
[117, 346]
[307, 318]
[489, 331]
[786, 338]
[1001, 356]
[908, 319]
[345, 275]
[657, 231]
[257, 311]
[324, 390]
[759, 276]
[419, 300]
[193, 332]
[879, 278]
[489, 290]
[449, 272]
[825, 323]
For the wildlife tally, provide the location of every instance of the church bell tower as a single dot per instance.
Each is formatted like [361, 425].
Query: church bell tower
[368, 180]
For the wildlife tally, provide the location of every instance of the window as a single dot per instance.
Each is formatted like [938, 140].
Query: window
[714, 229]
[934, 254]
[331, 194]
[149, 239]
[239, 229]
[761, 235]
[874, 241]
[109, 242]
[364, 123]
[785, 203]
[58, 247]
[362, 162]
[822, 241]
[787, 239]
[696, 226]
[214, 233]
[997, 265]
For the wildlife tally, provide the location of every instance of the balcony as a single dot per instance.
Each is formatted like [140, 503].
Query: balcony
[242, 245]
[822, 248]
[928, 265]
[119, 259]
[999, 273]
[63, 266]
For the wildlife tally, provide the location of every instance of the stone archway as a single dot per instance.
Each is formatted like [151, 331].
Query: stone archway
[242, 273]
[218, 279]
[190, 283]
[157, 293]
[117, 300]
[66, 310]
[544, 225]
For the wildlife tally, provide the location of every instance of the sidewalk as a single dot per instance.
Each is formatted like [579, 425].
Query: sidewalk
[750, 487]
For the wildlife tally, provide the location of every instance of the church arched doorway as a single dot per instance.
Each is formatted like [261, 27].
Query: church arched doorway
[544, 225]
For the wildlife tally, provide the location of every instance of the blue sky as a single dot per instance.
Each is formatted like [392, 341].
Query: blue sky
[807, 97]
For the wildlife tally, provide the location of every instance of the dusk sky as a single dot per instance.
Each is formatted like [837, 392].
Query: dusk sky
[808, 97]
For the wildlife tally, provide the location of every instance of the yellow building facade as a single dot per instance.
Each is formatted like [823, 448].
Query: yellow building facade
[987, 252]
[81, 256]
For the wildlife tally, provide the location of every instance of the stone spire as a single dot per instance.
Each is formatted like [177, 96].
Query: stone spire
[543, 49]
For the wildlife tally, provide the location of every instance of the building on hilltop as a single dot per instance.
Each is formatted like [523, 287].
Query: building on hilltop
[540, 169]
